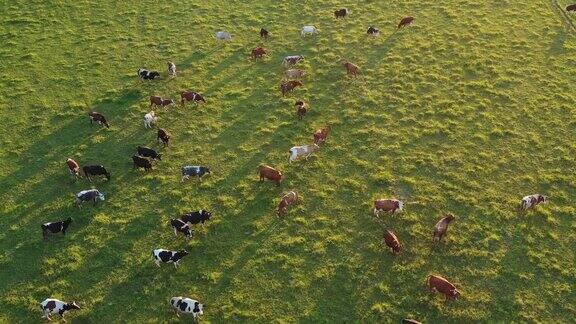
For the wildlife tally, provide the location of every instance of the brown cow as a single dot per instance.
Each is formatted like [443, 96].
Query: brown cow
[442, 226]
[321, 135]
[405, 21]
[387, 205]
[73, 167]
[258, 52]
[295, 73]
[163, 136]
[571, 7]
[190, 96]
[99, 118]
[302, 108]
[341, 13]
[351, 68]
[268, 172]
[158, 101]
[392, 242]
[287, 200]
[289, 86]
[443, 286]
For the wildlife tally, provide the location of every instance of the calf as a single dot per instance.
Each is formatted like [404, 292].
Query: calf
[268, 172]
[321, 134]
[182, 227]
[351, 68]
[148, 152]
[147, 75]
[190, 96]
[54, 306]
[73, 167]
[166, 256]
[55, 227]
[571, 7]
[392, 242]
[264, 33]
[373, 31]
[387, 205]
[287, 200]
[99, 118]
[289, 86]
[149, 119]
[197, 171]
[88, 195]
[294, 74]
[258, 52]
[308, 30]
[304, 150]
[141, 162]
[95, 170]
[301, 110]
[292, 60]
[443, 286]
[223, 36]
[163, 136]
[341, 13]
[160, 102]
[405, 21]
[196, 217]
[171, 69]
[532, 201]
[441, 227]
[186, 306]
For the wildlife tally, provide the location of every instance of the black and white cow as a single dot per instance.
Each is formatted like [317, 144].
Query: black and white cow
[88, 195]
[148, 152]
[55, 227]
[194, 171]
[141, 162]
[196, 217]
[187, 306]
[166, 256]
[147, 75]
[54, 306]
[182, 227]
[95, 170]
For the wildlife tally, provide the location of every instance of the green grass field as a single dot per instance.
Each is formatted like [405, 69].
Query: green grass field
[466, 111]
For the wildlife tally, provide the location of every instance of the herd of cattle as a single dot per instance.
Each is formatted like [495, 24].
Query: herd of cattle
[145, 156]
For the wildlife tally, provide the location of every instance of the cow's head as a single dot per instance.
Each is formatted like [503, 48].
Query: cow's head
[182, 253]
[174, 301]
[206, 170]
[542, 199]
[101, 196]
[154, 74]
[449, 217]
[454, 294]
[68, 220]
[400, 205]
[198, 309]
[205, 215]
[159, 156]
[71, 305]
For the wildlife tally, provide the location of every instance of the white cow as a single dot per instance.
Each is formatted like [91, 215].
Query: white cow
[55, 306]
[304, 150]
[187, 306]
[532, 201]
[149, 119]
[309, 30]
[223, 36]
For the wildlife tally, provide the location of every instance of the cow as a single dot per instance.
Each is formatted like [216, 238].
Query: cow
[197, 171]
[392, 242]
[196, 217]
[88, 195]
[166, 256]
[163, 136]
[141, 162]
[160, 102]
[373, 31]
[292, 60]
[387, 205]
[289, 86]
[441, 227]
[301, 109]
[571, 7]
[55, 227]
[410, 321]
[443, 286]
[149, 119]
[147, 75]
[405, 21]
[73, 167]
[182, 227]
[54, 306]
[148, 152]
[171, 69]
[99, 118]
[341, 13]
[264, 33]
[308, 30]
[287, 200]
[351, 68]
[532, 201]
[258, 52]
[294, 74]
[190, 96]
[268, 172]
[95, 170]
[304, 150]
[321, 134]
[223, 36]
[187, 306]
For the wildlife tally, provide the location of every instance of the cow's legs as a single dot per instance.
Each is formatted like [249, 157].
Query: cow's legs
[175, 233]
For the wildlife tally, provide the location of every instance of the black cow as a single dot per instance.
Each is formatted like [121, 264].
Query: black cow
[264, 33]
[148, 152]
[341, 13]
[88, 195]
[194, 171]
[373, 31]
[196, 217]
[99, 118]
[95, 170]
[55, 227]
[165, 256]
[141, 162]
[147, 75]
[163, 136]
[182, 227]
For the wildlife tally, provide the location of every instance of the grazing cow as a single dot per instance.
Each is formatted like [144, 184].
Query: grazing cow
[196, 217]
[301, 109]
[308, 30]
[321, 135]
[54, 306]
[442, 226]
[88, 195]
[443, 286]
[387, 205]
[55, 227]
[141, 162]
[351, 68]
[373, 31]
[341, 13]
[392, 242]
[197, 171]
[571, 7]
[289, 86]
[405, 21]
[148, 152]
[410, 321]
[149, 119]
[258, 52]
[287, 200]
[294, 74]
[187, 306]
[292, 60]
[99, 118]
[163, 136]
[190, 96]
[304, 150]
[171, 69]
[532, 201]
[268, 172]
[223, 36]
[264, 33]
[73, 167]
[147, 75]
[95, 170]
[166, 256]
[160, 102]
[182, 227]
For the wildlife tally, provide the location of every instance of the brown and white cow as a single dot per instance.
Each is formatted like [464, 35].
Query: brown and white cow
[301, 109]
[351, 68]
[392, 242]
[321, 134]
[287, 200]
[73, 167]
[190, 96]
[289, 86]
[160, 102]
[443, 286]
[163, 136]
[304, 150]
[442, 226]
[387, 205]
[532, 201]
[171, 69]
[268, 172]
[258, 52]
[405, 21]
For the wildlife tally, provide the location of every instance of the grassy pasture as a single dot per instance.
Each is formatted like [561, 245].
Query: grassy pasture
[466, 111]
